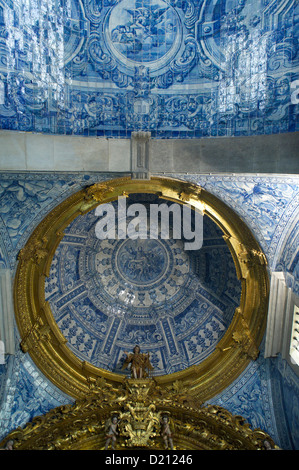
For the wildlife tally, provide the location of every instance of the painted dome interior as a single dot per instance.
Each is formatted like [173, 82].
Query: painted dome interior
[107, 295]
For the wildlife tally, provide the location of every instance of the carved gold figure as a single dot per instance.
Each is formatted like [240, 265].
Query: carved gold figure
[139, 363]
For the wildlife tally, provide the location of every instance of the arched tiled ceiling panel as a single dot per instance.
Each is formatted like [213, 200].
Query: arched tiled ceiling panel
[176, 68]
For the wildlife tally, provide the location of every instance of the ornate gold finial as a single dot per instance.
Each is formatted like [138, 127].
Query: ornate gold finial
[193, 191]
[34, 251]
[98, 192]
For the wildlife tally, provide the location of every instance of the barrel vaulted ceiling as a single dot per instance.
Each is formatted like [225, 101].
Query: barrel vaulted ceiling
[176, 68]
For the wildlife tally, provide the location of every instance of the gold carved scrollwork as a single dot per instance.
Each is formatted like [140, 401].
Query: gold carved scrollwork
[139, 406]
[35, 252]
[138, 424]
[187, 194]
[99, 192]
[244, 338]
[42, 339]
[38, 332]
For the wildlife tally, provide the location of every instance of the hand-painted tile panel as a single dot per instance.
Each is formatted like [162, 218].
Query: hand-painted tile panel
[177, 68]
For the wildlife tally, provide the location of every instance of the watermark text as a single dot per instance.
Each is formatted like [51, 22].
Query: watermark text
[138, 221]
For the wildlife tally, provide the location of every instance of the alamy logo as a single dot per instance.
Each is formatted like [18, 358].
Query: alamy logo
[138, 221]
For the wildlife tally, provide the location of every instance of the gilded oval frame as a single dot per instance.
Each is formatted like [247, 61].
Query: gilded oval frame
[42, 339]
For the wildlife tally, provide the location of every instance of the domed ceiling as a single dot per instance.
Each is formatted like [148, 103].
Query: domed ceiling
[107, 295]
[177, 68]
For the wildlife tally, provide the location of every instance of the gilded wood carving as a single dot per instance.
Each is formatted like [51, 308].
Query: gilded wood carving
[134, 414]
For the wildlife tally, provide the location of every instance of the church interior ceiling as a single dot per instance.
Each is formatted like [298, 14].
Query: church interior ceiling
[176, 303]
[176, 68]
[78, 312]
[140, 406]
[268, 205]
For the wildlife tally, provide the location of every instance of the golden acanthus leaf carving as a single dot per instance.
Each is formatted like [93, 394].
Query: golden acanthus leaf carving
[192, 192]
[83, 424]
[251, 256]
[35, 251]
[244, 338]
[38, 332]
[98, 192]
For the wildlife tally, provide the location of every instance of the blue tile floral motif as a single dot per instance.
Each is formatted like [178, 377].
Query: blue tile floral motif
[27, 394]
[177, 68]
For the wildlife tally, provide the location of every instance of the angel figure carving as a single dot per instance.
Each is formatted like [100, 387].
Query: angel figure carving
[166, 432]
[111, 432]
[139, 363]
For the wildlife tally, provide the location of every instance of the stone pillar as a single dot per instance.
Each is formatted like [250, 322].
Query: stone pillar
[6, 312]
[140, 155]
[280, 316]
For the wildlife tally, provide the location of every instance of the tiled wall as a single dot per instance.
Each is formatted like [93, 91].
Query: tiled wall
[177, 68]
